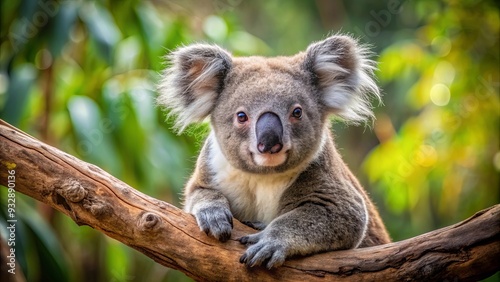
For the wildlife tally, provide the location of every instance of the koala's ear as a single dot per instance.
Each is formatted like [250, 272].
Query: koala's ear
[191, 85]
[343, 74]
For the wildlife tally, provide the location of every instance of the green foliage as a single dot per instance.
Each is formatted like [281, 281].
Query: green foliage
[37, 247]
[81, 75]
[441, 164]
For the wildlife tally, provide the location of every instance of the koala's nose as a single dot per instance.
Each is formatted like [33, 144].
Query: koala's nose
[269, 131]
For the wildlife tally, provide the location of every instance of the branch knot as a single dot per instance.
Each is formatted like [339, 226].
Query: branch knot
[71, 190]
[148, 221]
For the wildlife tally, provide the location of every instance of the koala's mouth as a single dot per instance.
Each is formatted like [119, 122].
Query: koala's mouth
[269, 160]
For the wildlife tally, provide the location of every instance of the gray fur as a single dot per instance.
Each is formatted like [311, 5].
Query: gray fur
[304, 198]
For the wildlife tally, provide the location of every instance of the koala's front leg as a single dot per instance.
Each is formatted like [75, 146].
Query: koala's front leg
[211, 210]
[305, 230]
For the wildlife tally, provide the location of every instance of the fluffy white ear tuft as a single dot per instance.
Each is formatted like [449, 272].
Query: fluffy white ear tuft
[343, 74]
[191, 85]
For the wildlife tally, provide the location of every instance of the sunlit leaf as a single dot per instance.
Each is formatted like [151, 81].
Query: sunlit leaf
[93, 133]
[102, 27]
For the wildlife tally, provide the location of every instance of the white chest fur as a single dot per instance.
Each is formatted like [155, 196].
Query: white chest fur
[253, 197]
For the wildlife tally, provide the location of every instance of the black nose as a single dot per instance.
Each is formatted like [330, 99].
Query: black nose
[269, 131]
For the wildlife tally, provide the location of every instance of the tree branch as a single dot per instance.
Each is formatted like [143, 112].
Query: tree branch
[467, 251]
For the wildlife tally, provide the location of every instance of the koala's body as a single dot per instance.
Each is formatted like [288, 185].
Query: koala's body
[270, 160]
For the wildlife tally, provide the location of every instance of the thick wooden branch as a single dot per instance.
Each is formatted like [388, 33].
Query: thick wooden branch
[466, 251]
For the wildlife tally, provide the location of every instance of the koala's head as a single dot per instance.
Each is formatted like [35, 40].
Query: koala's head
[269, 114]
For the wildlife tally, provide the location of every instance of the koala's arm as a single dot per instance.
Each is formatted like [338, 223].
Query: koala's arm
[317, 214]
[209, 206]
[211, 210]
[307, 229]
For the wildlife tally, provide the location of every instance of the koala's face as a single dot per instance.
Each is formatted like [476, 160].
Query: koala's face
[268, 117]
[269, 114]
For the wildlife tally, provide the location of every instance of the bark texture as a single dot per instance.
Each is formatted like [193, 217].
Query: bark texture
[466, 251]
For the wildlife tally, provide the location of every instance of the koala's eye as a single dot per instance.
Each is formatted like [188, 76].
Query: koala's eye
[297, 113]
[242, 117]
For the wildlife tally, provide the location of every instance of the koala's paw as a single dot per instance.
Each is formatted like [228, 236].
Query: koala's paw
[257, 225]
[263, 250]
[217, 221]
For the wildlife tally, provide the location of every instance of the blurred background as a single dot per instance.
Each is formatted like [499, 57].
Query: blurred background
[81, 75]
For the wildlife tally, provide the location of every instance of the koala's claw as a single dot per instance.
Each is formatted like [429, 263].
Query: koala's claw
[216, 221]
[262, 251]
[250, 239]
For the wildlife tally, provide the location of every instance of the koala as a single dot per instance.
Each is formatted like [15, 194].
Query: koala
[270, 159]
